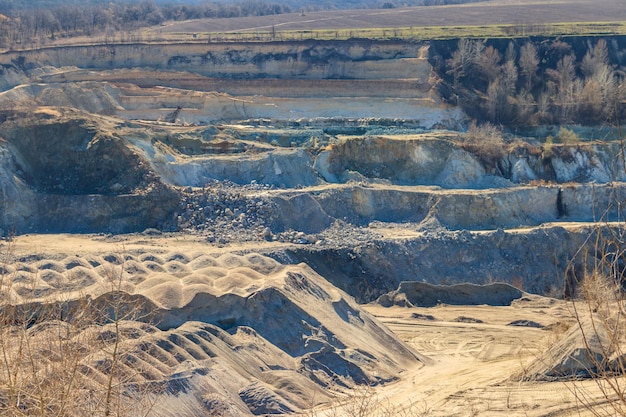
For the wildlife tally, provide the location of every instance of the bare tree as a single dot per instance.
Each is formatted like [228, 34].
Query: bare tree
[528, 63]
[67, 357]
[567, 88]
[510, 54]
[544, 113]
[459, 65]
[600, 312]
[525, 107]
[499, 102]
[509, 77]
[595, 59]
[601, 87]
[44, 23]
[488, 63]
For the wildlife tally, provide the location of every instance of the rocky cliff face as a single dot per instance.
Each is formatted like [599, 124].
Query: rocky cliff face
[397, 204]
[70, 172]
[278, 80]
[440, 160]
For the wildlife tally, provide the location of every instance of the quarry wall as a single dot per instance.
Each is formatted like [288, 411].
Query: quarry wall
[460, 207]
[358, 59]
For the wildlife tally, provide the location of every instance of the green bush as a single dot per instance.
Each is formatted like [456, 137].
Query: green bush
[568, 136]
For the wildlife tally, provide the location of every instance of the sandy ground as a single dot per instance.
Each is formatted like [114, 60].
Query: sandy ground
[477, 358]
[88, 244]
[474, 357]
[471, 362]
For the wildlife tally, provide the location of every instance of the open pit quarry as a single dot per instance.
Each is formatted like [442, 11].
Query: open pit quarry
[254, 197]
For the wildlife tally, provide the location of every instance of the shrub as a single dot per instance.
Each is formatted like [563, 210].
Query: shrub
[548, 152]
[486, 143]
[568, 136]
[364, 402]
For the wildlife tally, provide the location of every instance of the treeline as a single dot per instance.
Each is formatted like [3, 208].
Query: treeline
[29, 22]
[19, 25]
[531, 83]
[7, 5]
[367, 4]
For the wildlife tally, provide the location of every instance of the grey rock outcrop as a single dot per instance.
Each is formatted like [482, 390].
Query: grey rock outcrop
[421, 294]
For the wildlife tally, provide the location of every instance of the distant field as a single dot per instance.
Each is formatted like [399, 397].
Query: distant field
[493, 18]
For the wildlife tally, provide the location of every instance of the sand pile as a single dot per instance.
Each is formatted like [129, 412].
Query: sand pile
[252, 335]
[590, 348]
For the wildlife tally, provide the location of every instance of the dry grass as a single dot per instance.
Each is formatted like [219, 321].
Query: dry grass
[365, 402]
[65, 358]
[492, 19]
[600, 316]
[486, 143]
[599, 308]
[404, 32]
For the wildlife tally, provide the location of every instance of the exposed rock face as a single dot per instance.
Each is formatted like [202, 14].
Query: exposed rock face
[344, 101]
[440, 160]
[361, 205]
[536, 258]
[11, 76]
[71, 172]
[278, 80]
[71, 157]
[313, 154]
[414, 293]
[284, 168]
[358, 59]
[66, 171]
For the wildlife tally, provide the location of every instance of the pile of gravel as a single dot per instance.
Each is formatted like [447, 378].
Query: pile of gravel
[226, 212]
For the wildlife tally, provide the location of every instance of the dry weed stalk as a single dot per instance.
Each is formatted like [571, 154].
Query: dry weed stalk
[599, 308]
[363, 401]
[62, 357]
[600, 317]
[123, 391]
